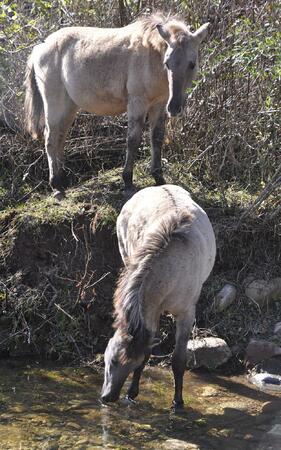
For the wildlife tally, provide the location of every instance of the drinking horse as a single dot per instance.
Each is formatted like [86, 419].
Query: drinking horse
[168, 247]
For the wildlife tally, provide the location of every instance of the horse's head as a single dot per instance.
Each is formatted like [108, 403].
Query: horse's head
[181, 60]
[117, 368]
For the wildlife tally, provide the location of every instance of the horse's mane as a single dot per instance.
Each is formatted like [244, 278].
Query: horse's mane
[128, 297]
[151, 36]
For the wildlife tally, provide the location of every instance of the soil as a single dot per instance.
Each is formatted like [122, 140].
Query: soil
[60, 262]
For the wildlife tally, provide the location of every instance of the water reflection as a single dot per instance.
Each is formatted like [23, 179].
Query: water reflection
[58, 408]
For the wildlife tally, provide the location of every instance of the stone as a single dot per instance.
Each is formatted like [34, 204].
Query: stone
[82, 441]
[50, 446]
[209, 352]
[73, 425]
[259, 350]
[225, 297]
[277, 328]
[177, 444]
[273, 406]
[271, 365]
[263, 292]
[275, 431]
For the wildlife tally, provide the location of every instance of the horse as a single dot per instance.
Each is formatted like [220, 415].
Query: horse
[139, 68]
[168, 247]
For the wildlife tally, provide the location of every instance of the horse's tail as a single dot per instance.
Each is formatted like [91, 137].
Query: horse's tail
[128, 297]
[33, 104]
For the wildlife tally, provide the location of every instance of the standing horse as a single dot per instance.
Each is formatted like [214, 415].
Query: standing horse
[168, 247]
[138, 69]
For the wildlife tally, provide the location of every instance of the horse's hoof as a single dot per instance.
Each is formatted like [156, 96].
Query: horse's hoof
[103, 404]
[177, 407]
[59, 195]
[129, 401]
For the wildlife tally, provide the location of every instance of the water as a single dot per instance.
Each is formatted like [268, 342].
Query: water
[48, 407]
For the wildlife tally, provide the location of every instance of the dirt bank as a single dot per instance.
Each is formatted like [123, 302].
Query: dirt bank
[59, 264]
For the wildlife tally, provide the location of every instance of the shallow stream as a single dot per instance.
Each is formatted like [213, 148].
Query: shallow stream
[51, 407]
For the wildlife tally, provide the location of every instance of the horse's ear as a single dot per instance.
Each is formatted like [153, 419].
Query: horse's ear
[202, 32]
[164, 33]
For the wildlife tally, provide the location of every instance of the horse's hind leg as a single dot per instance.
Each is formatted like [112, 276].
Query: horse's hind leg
[136, 118]
[59, 118]
[157, 130]
[133, 390]
[59, 112]
[184, 324]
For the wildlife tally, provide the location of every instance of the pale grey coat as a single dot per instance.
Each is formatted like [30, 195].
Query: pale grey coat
[168, 247]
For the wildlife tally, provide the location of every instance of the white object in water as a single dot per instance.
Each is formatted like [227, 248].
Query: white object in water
[267, 381]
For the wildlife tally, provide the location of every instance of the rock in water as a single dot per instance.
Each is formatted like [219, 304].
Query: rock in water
[210, 352]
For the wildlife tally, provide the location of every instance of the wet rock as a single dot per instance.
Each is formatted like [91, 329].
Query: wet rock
[73, 425]
[82, 441]
[272, 365]
[277, 328]
[210, 352]
[263, 292]
[271, 407]
[260, 350]
[177, 444]
[225, 297]
[275, 431]
[50, 446]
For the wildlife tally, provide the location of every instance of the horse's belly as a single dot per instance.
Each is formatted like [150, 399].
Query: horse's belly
[97, 101]
[105, 108]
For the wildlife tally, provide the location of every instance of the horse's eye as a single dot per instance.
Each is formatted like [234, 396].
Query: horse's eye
[191, 65]
[114, 362]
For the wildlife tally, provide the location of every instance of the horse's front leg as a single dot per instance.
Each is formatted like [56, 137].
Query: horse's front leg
[133, 390]
[157, 116]
[179, 358]
[136, 119]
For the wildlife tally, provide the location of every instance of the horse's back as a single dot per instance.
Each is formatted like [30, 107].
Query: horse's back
[100, 68]
[146, 208]
[179, 268]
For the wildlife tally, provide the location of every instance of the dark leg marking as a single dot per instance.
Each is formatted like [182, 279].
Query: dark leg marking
[133, 390]
[157, 137]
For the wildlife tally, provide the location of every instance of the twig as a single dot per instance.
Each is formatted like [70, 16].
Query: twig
[30, 192]
[72, 232]
[32, 164]
[203, 153]
[100, 279]
[62, 310]
[267, 191]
